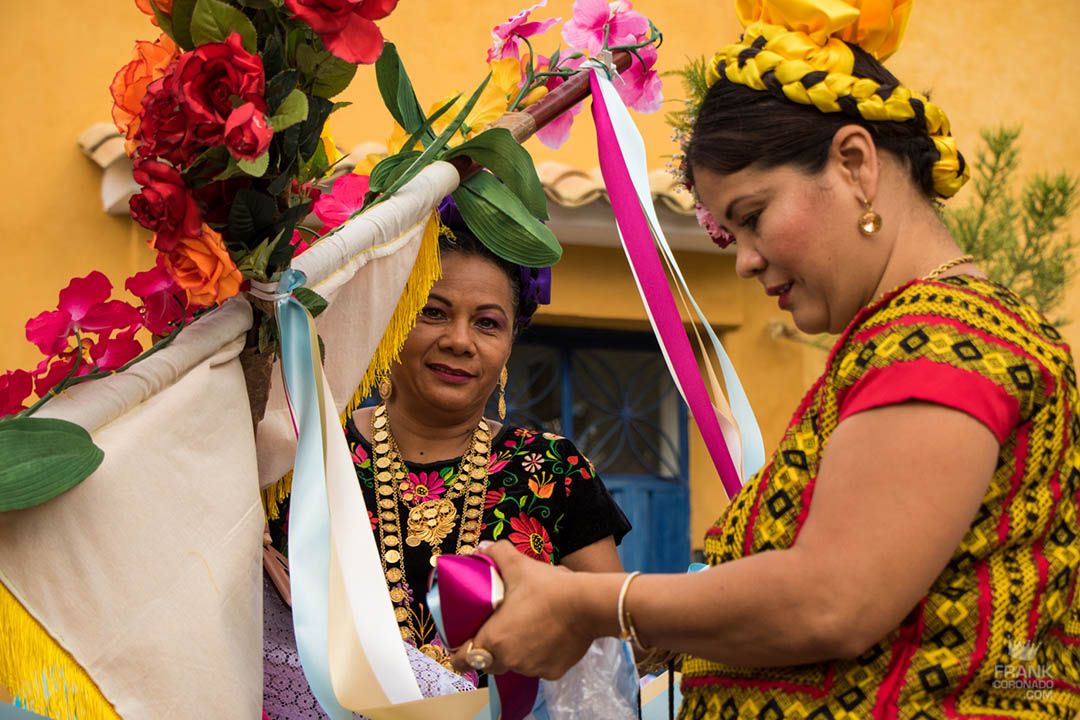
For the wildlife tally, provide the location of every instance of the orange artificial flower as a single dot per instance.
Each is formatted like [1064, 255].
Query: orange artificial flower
[150, 61]
[202, 266]
[164, 6]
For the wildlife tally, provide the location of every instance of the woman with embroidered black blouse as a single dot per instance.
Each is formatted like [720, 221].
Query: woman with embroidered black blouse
[437, 476]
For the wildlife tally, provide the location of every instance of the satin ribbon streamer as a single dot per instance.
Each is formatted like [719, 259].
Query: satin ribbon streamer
[465, 590]
[309, 531]
[622, 163]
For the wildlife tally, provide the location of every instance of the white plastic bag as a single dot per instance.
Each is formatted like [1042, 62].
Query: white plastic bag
[603, 685]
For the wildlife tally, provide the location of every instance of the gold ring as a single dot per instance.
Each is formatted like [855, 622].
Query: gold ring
[478, 658]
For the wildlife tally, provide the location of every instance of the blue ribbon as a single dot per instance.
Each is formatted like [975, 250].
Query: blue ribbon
[309, 517]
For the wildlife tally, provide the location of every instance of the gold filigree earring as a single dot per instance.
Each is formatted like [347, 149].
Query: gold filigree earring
[386, 389]
[503, 377]
[869, 221]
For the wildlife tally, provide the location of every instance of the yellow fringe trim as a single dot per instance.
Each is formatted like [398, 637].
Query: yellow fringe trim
[43, 676]
[425, 271]
[274, 495]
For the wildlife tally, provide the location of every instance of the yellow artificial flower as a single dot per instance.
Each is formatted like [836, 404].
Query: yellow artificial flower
[329, 146]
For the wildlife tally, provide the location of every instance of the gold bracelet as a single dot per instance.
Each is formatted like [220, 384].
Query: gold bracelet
[624, 631]
[626, 620]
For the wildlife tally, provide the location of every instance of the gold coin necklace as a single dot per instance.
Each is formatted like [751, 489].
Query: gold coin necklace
[431, 520]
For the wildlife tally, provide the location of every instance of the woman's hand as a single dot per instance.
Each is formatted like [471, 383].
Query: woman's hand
[535, 631]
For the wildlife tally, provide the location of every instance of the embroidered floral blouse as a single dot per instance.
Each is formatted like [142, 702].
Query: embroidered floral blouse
[543, 495]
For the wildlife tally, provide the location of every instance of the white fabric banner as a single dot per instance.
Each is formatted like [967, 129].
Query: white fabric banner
[148, 572]
[362, 294]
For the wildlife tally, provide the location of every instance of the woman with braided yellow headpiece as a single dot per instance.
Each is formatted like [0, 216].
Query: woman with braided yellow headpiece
[910, 550]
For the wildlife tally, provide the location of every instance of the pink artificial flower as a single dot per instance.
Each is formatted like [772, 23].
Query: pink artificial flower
[585, 30]
[641, 88]
[508, 34]
[164, 301]
[557, 132]
[346, 196]
[52, 370]
[15, 386]
[84, 304]
[719, 235]
[111, 353]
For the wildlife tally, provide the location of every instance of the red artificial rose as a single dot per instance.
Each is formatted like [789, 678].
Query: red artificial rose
[164, 205]
[247, 132]
[346, 26]
[15, 386]
[207, 80]
[163, 126]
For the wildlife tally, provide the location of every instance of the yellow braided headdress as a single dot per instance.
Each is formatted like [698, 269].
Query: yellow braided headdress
[802, 43]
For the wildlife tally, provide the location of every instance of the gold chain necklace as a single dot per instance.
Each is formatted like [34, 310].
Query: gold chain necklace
[431, 520]
[933, 274]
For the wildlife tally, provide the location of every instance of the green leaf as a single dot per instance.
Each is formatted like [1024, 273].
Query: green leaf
[425, 131]
[272, 55]
[41, 458]
[499, 514]
[311, 129]
[431, 153]
[251, 214]
[256, 167]
[293, 109]
[498, 531]
[254, 264]
[313, 301]
[497, 150]
[332, 76]
[164, 20]
[182, 10]
[397, 90]
[213, 21]
[499, 220]
[280, 87]
[233, 168]
[389, 168]
[306, 59]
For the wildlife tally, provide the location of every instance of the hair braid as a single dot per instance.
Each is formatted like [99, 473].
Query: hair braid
[772, 58]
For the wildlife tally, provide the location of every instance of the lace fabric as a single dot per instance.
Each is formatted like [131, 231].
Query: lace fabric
[286, 695]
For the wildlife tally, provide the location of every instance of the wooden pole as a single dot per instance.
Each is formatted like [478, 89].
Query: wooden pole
[523, 124]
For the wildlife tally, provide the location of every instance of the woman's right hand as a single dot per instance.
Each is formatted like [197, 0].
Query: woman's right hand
[537, 630]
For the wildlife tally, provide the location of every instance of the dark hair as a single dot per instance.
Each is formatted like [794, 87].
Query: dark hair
[465, 243]
[738, 127]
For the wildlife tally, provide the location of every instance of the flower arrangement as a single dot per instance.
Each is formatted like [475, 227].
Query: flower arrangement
[224, 116]
[504, 208]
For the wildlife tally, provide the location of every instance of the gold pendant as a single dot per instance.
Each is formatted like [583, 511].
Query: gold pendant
[431, 521]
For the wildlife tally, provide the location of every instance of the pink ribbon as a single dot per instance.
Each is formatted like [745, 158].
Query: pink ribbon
[640, 248]
[465, 591]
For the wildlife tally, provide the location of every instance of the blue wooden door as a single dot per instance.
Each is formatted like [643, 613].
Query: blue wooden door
[611, 394]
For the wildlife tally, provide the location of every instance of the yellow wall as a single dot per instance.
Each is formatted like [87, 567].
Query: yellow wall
[986, 61]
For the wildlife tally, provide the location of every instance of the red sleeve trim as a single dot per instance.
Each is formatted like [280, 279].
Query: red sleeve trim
[940, 383]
